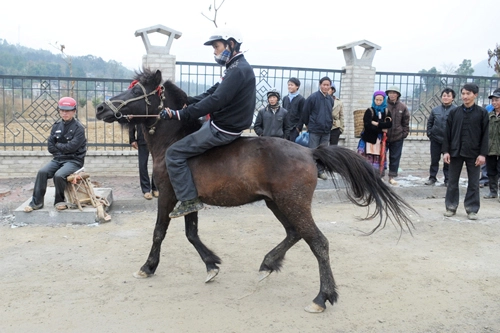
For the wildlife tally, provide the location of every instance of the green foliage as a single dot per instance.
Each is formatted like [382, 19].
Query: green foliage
[96, 101]
[494, 59]
[465, 68]
[430, 83]
[20, 60]
[82, 102]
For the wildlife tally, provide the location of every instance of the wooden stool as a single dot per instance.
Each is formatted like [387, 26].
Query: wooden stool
[80, 191]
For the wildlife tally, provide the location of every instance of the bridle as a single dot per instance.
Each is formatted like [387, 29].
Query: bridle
[160, 90]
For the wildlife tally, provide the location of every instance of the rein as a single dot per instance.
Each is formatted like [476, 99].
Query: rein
[160, 90]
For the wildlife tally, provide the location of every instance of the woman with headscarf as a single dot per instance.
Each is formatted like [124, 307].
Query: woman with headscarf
[377, 119]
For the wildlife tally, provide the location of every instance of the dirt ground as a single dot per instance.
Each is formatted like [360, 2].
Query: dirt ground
[74, 278]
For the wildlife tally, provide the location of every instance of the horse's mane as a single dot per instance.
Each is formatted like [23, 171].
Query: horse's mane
[175, 97]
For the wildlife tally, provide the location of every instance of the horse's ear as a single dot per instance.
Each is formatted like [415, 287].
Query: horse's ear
[158, 77]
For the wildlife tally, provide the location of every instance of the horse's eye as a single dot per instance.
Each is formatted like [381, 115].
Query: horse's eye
[137, 91]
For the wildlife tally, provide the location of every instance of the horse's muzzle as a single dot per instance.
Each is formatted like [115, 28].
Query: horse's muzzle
[105, 114]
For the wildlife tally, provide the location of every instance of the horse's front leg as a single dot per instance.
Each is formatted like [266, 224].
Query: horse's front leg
[209, 258]
[162, 223]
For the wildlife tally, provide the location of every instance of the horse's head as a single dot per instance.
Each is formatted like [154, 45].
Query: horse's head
[142, 100]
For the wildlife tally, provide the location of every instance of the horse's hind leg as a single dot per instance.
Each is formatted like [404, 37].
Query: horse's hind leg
[300, 216]
[209, 258]
[318, 244]
[274, 259]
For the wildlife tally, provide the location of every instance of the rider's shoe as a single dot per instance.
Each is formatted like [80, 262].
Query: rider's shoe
[186, 207]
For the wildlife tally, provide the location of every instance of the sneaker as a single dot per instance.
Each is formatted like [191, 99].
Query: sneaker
[491, 195]
[148, 196]
[393, 182]
[430, 181]
[156, 194]
[186, 207]
[322, 175]
[472, 216]
[449, 213]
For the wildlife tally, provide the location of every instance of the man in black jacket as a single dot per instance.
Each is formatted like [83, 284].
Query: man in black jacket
[294, 103]
[435, 132]
[317, 116]
[273, 120]
[465, 141]
[231, 107]
[68, 146]
[137, 141]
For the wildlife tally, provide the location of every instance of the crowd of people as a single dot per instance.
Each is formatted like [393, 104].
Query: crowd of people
[465, 134]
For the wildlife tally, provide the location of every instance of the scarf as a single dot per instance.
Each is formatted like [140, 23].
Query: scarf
[292, 96]
[379, 109]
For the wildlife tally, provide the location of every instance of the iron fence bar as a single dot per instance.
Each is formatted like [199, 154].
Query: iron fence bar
[28, 103]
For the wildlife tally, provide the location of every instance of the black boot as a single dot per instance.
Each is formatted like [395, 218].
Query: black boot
[493, 185]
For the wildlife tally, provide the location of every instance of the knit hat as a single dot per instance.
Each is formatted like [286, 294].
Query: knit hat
[295, 81]
[379, 92]
[273, 92]
[496, 93]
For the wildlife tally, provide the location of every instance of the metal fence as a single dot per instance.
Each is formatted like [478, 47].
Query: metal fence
[28, 104]
[422, 92]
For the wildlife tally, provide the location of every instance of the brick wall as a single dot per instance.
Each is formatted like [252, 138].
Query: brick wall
[125, 163]
[97, 163]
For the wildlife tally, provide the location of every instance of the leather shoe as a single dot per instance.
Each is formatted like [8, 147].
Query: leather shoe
[430, 181]
[491, 195]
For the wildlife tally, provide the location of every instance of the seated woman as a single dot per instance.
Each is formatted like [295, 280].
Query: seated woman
[377, 119]
[68, 146]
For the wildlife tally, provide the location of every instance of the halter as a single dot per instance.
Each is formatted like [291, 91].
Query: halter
[118, 115]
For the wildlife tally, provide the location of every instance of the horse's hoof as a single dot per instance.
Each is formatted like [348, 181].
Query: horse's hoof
[263, 275]
[211, 275]
[140, 275]
[314, 308]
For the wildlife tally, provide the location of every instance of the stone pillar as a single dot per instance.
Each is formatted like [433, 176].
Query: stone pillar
[357, 84]
[159, 57]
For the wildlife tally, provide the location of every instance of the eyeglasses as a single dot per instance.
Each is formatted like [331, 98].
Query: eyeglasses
[67, 110]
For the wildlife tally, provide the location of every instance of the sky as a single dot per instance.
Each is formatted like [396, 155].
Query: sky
[413, 35]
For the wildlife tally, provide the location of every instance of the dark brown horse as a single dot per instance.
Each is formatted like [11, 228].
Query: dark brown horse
[280, 172]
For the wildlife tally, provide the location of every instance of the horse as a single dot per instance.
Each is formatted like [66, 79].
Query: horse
[250, 169]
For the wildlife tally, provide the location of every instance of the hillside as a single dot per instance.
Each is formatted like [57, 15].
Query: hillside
[21, 60]
[483, 69]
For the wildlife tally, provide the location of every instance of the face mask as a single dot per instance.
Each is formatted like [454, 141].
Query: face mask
[222, 58]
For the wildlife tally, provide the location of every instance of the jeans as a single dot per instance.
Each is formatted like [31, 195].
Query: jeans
[317, 139]
[334, 136]
[192, 145]
[294, 134]
[59, 170]
[435, 158]
[395, 150]
[472, 200]
[147, 184]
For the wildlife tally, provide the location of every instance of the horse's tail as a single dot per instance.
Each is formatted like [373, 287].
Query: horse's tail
[364, 185]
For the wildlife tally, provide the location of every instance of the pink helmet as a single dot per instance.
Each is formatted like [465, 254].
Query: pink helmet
[67, 103]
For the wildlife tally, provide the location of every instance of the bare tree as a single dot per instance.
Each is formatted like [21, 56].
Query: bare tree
[494, 59]
[448, 68]
[216, 8]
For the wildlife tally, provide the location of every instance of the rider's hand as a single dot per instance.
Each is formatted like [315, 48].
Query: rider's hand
[166, 114]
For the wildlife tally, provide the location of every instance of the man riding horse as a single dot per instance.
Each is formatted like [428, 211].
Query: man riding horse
[230, 105]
